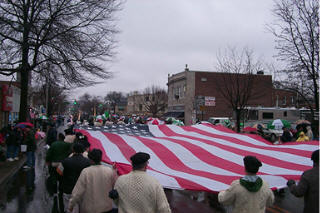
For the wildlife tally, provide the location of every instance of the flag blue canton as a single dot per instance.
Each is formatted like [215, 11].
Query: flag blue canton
[127, 129]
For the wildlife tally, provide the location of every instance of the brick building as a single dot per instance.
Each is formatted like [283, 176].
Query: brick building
[197, 94]
[10, 102]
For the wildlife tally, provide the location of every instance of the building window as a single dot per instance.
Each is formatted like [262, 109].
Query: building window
[267, 115]
[277, 100]
[292, 100]
[203, 79]
[140, 107]
[284, 101]
[147, 98]
[285, 114]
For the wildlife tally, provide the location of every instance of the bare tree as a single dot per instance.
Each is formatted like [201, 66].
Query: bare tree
[113, 99]
[73, 36]
[237, 80]
[297, 40]
[155, 100]
[57, 98]
[89, 104]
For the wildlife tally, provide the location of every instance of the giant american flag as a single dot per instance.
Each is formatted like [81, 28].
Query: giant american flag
[200, 157]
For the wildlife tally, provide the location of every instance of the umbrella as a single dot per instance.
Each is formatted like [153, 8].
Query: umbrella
[278, 124]
[43, 117]
[154, 121]
[249, 129]
[302, 122]
[26, 123]
[177, 123]
[23, 125]
[256, 125]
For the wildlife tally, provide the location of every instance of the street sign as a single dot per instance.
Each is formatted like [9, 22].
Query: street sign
[210, 101]
[202, 108]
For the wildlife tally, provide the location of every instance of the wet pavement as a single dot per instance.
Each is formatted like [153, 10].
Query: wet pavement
[25, 192]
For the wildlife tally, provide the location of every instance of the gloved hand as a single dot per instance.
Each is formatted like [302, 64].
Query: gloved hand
[113, 194]
[290, 182]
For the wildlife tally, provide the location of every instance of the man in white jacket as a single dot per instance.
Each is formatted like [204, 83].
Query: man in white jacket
[249, 194]
[92, 187]
[140, 192]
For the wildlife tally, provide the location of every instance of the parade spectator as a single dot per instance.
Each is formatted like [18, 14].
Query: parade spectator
[91, 189]
[286, 135]
[308, 186]
[30, 141]
[12, 144]
[149, 194]
[58, 151]
[302, 137]
[309, 133]
[249, 194]
[52, 134]
[70, 137]
[70, 170]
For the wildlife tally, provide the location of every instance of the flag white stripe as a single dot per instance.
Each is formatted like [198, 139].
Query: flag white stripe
[111, 150]
[235, 158]
[190, 160]
[250, 140]
[157, 164]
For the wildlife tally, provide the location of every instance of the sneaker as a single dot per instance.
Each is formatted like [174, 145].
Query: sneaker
[276, 143]
[16, 158]
[26, 167]
[10, 159]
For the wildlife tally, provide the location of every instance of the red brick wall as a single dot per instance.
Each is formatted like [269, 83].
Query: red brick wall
[261, 92]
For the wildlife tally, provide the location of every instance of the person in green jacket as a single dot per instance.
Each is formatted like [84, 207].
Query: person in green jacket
[58, 151]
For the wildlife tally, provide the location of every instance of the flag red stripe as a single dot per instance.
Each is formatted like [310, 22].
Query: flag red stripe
[173, 162]
[293, 151]
[96, 144]
[266, 159]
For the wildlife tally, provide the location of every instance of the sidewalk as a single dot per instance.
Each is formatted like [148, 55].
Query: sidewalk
[8, 169]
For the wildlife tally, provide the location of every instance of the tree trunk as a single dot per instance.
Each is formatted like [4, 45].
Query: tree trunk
[24, 95]
[238, 119]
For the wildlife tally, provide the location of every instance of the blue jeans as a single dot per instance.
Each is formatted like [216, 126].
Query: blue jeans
[12, 151]
[31, 159]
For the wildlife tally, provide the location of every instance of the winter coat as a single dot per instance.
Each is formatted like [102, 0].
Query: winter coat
[72, 168]
[250, 198]
[140, 192]
[52, 136]
[308, 187]
[30, 141]
[58, 151]
[92, 189]
[12, 138]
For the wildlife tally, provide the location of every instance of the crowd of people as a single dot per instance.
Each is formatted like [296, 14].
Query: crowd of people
[14, 141]
[81, 183]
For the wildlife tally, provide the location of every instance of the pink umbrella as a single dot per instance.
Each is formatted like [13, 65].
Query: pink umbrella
[26, 123]
[155, 121]
[249, 129]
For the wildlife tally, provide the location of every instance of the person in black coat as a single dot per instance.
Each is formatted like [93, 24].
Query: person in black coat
[286, 135]
[70, 169]
[52, 134]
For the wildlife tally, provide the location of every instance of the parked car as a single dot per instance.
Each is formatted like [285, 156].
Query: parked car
[219, 120]
[272, 134]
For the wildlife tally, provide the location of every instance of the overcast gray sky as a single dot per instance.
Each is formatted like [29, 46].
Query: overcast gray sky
[158, 38]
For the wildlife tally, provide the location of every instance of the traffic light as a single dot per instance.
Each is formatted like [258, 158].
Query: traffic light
[75, 102]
